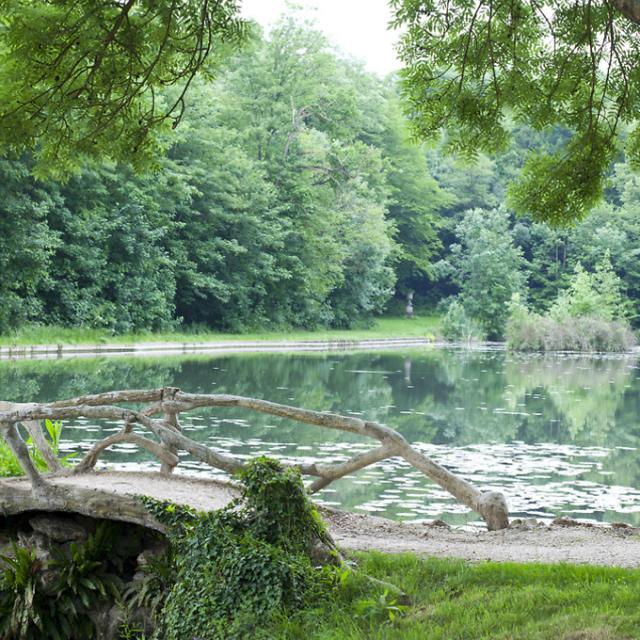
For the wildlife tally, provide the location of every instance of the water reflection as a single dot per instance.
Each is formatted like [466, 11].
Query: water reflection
[558, 434]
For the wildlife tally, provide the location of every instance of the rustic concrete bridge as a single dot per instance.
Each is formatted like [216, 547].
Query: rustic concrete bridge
[116, 495]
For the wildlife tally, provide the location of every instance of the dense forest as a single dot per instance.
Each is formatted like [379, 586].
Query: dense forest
[290, 195]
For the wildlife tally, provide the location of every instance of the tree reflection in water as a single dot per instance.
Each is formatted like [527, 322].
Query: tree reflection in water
[558, 433]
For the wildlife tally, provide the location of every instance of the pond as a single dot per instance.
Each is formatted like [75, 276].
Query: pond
[559, 435]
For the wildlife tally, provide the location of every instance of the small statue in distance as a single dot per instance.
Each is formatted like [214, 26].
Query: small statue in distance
[409, 308]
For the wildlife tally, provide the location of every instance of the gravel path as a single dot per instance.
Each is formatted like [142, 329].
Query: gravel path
[565, 541]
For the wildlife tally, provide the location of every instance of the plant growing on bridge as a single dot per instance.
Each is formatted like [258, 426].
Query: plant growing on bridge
[51, 600]
[9, 465]
[238, 567]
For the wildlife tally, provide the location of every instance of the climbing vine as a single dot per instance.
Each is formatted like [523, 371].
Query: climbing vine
[237, 568]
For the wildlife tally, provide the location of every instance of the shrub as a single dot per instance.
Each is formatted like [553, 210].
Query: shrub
[9, 465]
[589, 315]
[52, 600]
[237, 568]
[458, 326]
[533, 332]
[597, 294]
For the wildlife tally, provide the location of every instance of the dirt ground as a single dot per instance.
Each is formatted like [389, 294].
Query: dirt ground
[563, 541]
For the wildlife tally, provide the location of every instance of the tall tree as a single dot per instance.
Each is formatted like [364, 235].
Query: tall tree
[228, 235]
[488, 268]
[297, 111]
[415, 202]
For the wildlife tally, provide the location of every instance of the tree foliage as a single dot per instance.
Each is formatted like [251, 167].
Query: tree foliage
[472, 68]
[487, 266]
[86, 78]
[26, 243]
[280, 202]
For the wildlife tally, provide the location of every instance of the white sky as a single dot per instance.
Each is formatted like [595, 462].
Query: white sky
[357, 27]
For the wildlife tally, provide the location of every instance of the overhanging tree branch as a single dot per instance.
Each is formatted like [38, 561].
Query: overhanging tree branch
[82, 78]
[470, 67]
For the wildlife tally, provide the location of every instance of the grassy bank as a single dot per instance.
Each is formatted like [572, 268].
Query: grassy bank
[454, 600]
[418, 327]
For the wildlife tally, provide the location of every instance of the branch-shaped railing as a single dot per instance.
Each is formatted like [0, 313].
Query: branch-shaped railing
[169, 403]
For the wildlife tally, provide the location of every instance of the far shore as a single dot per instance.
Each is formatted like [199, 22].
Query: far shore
[45, 352]
[55, 342]
[46, 343]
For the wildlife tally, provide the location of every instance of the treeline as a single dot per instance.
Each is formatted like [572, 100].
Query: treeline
[546, 288]
[277, 204]
[292, 195]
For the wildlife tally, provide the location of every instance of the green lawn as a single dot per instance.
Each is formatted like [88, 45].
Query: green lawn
[426, 326]
[454, 600]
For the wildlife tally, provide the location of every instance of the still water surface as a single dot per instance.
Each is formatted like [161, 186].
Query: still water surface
[558, 435]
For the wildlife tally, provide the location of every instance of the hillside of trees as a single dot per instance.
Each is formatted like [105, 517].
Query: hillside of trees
[291, 195]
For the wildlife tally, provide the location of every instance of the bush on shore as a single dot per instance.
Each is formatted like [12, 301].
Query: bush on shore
[459, 326]
[587, 333]
[528, 331]
[589, 315]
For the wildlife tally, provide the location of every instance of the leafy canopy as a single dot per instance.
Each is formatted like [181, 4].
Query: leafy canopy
[473, 67]
[85, 78]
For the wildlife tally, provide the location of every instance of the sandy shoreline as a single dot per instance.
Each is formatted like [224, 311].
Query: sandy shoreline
[573, 544]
